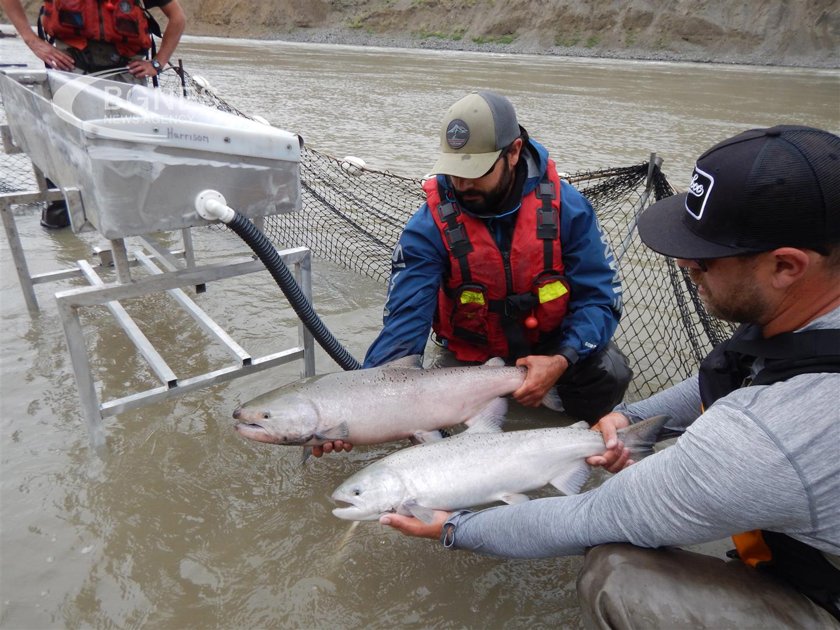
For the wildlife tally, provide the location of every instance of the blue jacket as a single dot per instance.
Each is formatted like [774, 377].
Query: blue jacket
[420, 260]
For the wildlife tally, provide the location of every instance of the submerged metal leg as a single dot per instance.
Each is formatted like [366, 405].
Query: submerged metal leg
[121, 260]
[303, 276]
[18, 256]
[189, 252]
[84, 377]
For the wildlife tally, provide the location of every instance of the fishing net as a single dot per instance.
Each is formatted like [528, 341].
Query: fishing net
[353, 216]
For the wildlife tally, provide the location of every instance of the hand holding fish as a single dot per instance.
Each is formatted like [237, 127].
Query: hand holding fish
[411, 526]
[617, 455]
[543, 373]
[331, 447]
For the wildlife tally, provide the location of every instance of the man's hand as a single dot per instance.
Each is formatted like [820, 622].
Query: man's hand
[142, 69]
[46, 52]
[543, 373]
[411, 526]
[616, 456]
[331, 447]
[50, 55]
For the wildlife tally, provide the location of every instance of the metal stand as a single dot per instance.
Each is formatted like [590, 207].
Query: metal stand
[70, 302]
[164, 271]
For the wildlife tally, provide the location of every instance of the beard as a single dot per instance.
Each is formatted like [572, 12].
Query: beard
[742, 304]
[487, 203]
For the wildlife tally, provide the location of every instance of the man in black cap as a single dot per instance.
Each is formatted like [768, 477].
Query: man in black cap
[759, 233]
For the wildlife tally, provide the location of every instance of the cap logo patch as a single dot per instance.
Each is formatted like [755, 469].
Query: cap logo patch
[457, 133]
[698, 193]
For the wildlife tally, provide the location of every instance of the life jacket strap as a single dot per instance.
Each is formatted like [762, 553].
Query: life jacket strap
[547, 224]
[456, 236]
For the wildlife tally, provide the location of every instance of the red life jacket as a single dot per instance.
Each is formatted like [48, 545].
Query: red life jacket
[489, 294]
[122, 23]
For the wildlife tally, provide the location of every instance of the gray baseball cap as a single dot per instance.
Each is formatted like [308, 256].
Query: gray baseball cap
[473, 134]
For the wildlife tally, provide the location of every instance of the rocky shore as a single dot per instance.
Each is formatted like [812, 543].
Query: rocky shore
[804, 33]
[351, 37]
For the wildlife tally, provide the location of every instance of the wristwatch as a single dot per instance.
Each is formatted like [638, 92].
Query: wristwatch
[156, 65]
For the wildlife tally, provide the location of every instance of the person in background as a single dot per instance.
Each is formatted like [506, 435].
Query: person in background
[91, 36]
[759, 233]
[507, 260]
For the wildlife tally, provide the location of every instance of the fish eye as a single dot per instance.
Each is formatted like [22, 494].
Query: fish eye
[357, 492]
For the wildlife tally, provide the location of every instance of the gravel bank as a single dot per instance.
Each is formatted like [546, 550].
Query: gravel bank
[358, 37]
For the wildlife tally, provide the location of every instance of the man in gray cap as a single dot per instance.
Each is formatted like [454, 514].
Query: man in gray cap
[757, 459]
[506, 260]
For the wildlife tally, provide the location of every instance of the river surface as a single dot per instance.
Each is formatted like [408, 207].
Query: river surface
[183, 524]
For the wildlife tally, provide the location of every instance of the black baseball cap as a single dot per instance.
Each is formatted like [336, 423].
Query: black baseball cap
[759, 190]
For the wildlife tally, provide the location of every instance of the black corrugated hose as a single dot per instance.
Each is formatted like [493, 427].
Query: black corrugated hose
[266, 252]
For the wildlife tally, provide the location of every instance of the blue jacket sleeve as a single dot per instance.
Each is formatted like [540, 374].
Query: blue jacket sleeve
[592, 273]
[417, 266]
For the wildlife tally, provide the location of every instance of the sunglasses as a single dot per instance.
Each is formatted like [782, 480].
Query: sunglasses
[504, 152]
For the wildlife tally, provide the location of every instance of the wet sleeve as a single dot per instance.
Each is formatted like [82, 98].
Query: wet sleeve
[417, 266]
[592, 273]
[700, 489]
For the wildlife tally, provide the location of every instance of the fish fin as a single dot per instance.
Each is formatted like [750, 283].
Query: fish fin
[495, 362]
[583, 424]
[411, 361]
[422, 437]
[512, 498]
[641, 437]
[552, 401]
[338, 432]
[571, 480]
[306, 454]
[489, 419]
[427, 515]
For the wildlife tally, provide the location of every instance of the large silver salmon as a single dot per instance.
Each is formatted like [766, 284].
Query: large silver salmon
[395, 401]
[472, 469]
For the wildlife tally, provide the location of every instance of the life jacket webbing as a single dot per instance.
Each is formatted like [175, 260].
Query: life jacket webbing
[547, 221]
[456, 236]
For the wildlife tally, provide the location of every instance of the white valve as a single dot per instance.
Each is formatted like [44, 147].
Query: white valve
[211, 205]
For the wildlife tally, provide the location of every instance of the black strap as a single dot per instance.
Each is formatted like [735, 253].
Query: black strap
[547, 228]
[728, 366]
[805, 568]
[511, 310]
[456, 237]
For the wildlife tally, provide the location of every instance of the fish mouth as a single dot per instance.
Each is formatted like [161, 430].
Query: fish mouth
[258, 433]
[355, 513]
[350, 511]
[255, 432]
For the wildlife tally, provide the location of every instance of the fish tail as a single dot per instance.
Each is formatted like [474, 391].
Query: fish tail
[641, 437]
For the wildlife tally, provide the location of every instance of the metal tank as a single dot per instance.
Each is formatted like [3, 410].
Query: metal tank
[139, 156]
